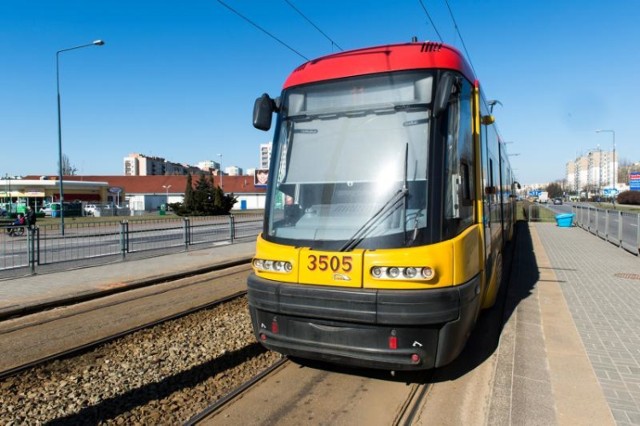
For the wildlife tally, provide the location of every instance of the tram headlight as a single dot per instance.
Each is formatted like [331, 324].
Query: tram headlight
[413, 273]
[266, 265]
[393, 272]
[427, 273]
[410, 272]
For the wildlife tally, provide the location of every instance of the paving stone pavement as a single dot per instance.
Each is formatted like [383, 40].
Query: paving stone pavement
[601, 285]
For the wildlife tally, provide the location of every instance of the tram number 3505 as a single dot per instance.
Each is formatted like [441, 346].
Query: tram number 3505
[334, 263]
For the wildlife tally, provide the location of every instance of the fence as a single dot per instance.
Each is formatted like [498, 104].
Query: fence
[619, 228]
[535, 212]
[44, 249]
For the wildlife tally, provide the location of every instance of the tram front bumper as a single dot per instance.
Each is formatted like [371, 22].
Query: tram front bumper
[388, 329]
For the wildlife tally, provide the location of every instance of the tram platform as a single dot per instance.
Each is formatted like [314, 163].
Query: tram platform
[569, 350]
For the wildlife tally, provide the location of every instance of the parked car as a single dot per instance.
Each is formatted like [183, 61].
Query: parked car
[557, 201]
[90, 209]
[46, 210]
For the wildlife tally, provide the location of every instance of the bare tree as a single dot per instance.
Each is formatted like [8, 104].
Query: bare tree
[625, 167]
[67, 168]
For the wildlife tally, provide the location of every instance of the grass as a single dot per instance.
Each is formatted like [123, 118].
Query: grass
[539, 213]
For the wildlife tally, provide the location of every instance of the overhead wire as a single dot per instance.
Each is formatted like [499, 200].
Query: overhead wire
[333, 43]
[431, 20]
[263, 30]
[455, 24]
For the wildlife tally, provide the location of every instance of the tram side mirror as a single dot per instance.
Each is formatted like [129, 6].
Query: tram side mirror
[488, 119]
[443, 92]
[262, 112]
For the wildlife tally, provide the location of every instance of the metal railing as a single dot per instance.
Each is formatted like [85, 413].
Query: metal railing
[617, 227]
[44, 249]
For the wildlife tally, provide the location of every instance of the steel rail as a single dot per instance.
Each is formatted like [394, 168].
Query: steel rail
[216, 406]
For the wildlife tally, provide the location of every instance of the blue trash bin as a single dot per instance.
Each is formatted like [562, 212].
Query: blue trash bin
[565, 220]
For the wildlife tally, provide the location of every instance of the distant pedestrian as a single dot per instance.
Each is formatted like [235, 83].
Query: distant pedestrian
[31, 218]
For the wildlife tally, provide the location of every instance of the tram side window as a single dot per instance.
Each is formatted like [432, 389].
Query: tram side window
[459, 164]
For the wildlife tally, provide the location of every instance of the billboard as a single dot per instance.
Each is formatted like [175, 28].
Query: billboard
[260, 177]
[634, 181]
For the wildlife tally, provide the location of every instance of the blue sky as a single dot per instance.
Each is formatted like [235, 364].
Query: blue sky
[177, 79]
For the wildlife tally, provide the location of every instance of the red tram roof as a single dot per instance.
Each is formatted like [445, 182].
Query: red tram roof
[371, 60]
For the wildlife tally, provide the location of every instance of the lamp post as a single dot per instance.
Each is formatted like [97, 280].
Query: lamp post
[95, 43]
[166, 187]
[7, 191]
[614, 178]
[221, 173]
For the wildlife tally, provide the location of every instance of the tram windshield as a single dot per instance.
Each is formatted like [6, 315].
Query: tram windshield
[351, 162]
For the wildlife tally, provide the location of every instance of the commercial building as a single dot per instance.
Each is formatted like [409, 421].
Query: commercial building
[37, 191]
[140, 193]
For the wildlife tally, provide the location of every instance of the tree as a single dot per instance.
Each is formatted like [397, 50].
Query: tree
[204, 199]
[67, 168]
[624, 168]
[189, 201]
[203, 196]
[554, 190]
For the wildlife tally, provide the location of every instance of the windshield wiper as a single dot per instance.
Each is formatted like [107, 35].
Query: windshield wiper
[384, 212]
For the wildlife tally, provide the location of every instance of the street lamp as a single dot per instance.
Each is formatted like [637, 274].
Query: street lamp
[166, 187]
[7, 191]
[95, 43]
[613, 133]
[221, 173]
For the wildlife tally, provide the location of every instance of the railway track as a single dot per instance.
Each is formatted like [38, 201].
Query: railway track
[290, 393]
[164, 372]
[88, 319]
[213, 409]
[81, 348]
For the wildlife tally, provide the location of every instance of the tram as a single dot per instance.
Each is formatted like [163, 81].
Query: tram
[388, 205]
